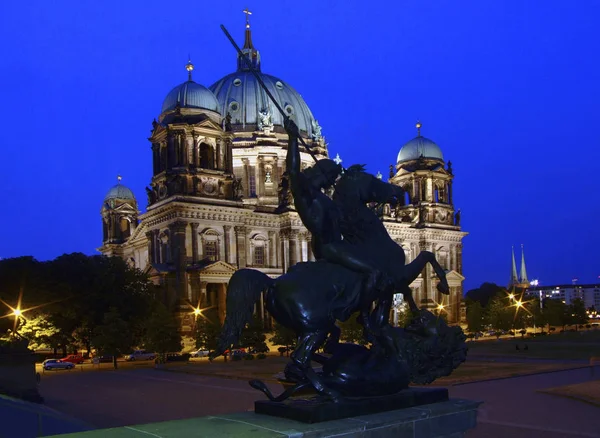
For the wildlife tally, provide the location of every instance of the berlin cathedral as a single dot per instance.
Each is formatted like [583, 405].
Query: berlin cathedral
[219, 201]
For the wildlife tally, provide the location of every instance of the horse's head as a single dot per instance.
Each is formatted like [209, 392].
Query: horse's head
[323, 174]
[359, 186]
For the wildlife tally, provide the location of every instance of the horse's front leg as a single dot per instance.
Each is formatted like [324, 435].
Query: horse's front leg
[414, 268]
[302, 356]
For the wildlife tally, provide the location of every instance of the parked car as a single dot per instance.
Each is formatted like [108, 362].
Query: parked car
[199, 353]
[253, 350]
[73, 358]
[57, 364]
[103, 359]
[140, 355]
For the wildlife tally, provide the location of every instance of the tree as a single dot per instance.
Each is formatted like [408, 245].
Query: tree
[577, 313]
[207, 330]
[162, 334]
[253, 335]
[474, 315]
[352, 330]
[283, 336]
[40, 332]
[113, 336]
[556, 312]
[538, 316]
[500, 313]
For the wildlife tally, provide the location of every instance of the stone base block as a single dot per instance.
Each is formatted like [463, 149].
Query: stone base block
[315, 409]
[449, 419]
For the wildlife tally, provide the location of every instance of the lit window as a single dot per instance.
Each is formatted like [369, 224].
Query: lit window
[259, 256]
[210, 250]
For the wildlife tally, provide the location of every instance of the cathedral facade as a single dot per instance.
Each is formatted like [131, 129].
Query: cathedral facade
[218, 199]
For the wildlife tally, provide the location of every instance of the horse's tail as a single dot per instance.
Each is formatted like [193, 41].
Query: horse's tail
[244, 290]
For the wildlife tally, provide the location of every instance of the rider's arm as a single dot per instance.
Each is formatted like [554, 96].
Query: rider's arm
[298, 186]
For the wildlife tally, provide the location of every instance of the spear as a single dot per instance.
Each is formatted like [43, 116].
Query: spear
[264, 87]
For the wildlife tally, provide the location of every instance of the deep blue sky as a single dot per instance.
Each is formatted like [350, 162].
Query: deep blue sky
[508, 89]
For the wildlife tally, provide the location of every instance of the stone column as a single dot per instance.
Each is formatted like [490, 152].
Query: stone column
[150, 237]
[240, 237]
[294, 248]
[194, 148]
[194, 242]
[155, 158]
[222, 303]
[285, 249]
[227, 243]
[156, 247]
[260, 177]
[450, 192]
[459, 258]
[179, 255]
[275, 173]
[246, 177]
[203, 299]
[272, 250]
[309, 249]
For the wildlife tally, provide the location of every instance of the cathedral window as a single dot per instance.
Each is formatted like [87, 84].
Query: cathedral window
[259, 256]
[252, 183]
[206, 156]
[210, 250]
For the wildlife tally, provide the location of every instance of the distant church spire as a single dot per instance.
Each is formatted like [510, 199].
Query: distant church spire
[514, 279]
[248, 49]
[524, 279]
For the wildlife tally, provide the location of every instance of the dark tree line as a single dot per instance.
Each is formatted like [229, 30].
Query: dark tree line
[77, 302]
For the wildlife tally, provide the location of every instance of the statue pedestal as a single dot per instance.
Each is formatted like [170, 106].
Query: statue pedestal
[315, 409]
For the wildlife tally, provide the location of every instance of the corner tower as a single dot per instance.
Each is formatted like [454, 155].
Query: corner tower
[119, 217]
[426, 220]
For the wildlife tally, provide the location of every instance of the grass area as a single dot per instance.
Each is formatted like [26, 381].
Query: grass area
[541, 348]
[268, 368]
[474, 371]
[588, 392]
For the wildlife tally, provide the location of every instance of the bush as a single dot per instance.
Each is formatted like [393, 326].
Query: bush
[236, 358]
[176, 357]
[261, 356]
[249, 357]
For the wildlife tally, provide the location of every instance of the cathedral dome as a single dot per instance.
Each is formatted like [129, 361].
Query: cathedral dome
[420, 147]
[120, 192]
[190, 95]
[241, 95]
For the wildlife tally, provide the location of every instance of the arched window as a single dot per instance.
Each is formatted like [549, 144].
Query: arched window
[165, 248]
[206, 156]
[259, 248]
[210, 241]
[125, 227]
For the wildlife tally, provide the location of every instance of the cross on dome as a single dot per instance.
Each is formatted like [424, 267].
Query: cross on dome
[337, 159]
[248, 13]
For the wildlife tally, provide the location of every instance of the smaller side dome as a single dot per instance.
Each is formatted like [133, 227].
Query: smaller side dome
[119, 191]
[420, 147]
[190, 95]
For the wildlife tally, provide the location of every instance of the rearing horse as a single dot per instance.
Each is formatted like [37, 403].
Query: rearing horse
[363, 229]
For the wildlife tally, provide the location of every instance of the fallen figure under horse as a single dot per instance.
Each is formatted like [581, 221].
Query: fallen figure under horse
[308, 299]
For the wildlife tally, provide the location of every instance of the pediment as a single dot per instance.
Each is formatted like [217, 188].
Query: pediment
[452, 274]
[209, 123]
[218, 268]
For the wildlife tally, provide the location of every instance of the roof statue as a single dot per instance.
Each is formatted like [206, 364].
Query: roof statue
[359, 269]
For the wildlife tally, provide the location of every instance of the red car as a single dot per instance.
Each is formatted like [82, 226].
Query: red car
[73, 358]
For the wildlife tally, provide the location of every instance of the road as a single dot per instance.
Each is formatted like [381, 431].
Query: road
[513, 408]
[138, 396]
[144, 395]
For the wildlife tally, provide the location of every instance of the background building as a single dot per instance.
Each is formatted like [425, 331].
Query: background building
[589, 293]
[218, 198]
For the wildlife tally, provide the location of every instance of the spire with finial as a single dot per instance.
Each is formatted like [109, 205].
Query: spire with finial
[418, 125]
[524, 279]
[248, 50]
[514, 280]
[119, 178]
[190, 68]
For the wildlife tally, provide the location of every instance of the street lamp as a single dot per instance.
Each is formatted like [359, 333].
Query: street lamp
[197, 311]
[17, 313]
